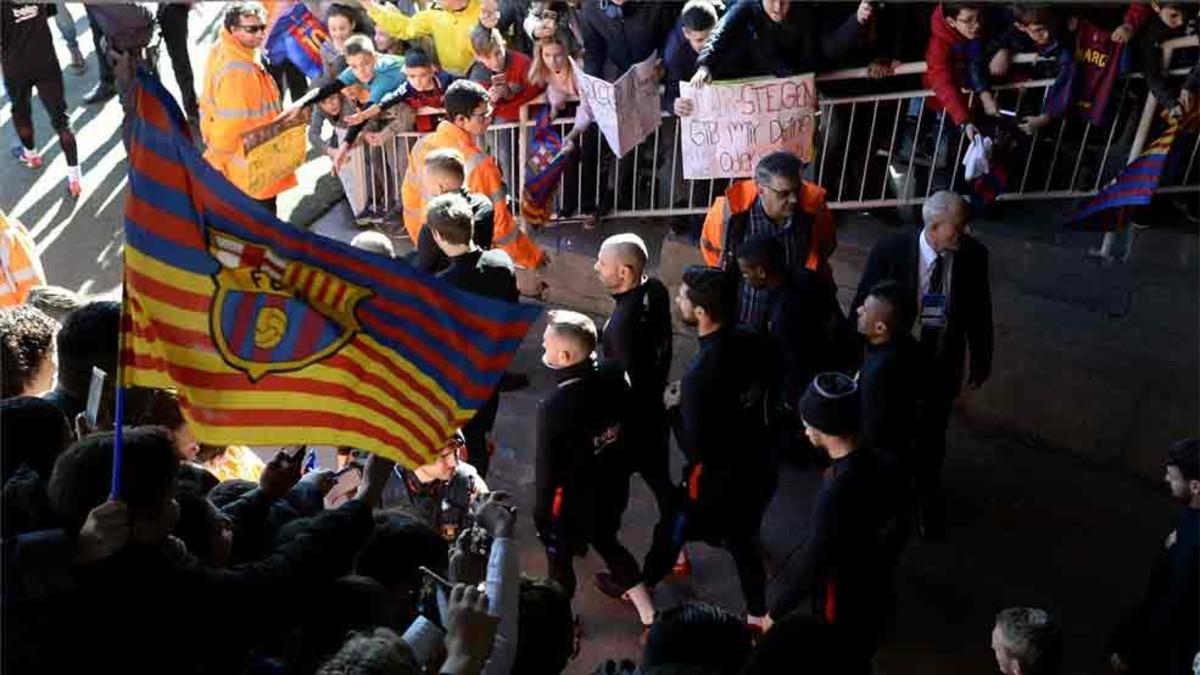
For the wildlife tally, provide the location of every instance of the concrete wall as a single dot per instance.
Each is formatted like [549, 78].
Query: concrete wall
[1096, 361]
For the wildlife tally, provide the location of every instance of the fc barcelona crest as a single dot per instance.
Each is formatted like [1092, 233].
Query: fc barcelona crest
[275, 315]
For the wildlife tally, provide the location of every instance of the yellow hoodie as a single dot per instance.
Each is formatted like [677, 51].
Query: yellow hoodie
[451, 31]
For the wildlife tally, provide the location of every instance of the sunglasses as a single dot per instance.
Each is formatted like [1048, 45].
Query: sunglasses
[253, 29]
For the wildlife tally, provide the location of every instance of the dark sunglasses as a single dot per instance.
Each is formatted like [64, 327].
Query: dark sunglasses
[255, 29]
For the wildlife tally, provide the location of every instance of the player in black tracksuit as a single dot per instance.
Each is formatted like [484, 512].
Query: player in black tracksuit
[28, 60]
[724, 408]
[487, 273]
[579, 444]
[844, 566]
[638, 337]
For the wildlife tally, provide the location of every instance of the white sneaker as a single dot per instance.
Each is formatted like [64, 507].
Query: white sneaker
[31, 158]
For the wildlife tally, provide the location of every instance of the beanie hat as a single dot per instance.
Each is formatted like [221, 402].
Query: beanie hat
[831, 404]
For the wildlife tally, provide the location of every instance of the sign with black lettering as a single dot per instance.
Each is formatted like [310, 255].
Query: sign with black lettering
[733, 124]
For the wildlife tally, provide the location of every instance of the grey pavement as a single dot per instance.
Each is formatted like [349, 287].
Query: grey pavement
[1053, 469]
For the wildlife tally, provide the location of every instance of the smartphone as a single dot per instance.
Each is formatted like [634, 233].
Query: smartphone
[437, 578]
[95, 393]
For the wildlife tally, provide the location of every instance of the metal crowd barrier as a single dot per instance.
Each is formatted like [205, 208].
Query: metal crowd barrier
[904, 153]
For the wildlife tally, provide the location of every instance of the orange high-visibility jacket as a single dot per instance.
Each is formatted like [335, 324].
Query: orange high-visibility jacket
[239, 95]
[483, 177]
[20, 267]
[735, 206]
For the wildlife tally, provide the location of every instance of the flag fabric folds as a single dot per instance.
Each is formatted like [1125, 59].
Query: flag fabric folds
[297, 36]
[545, 168]
[273, 335]
[1112, 208]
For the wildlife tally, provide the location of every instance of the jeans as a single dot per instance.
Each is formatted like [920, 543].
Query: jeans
[66, 26]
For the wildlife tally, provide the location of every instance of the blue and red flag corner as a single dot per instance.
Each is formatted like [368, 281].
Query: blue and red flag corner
[297, 36]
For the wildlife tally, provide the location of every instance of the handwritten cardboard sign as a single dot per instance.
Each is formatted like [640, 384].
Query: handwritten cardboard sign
[627, 111]
[273, 152]
[735, 123]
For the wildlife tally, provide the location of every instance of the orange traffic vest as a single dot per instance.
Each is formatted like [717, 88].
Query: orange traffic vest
[483, 177]
[737, 202]
[239, 95]
[20, 267]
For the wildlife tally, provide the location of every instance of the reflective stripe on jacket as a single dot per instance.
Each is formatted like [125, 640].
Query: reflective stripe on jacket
[20, 267]
[239, 95]
[483, 177]
[740, 197]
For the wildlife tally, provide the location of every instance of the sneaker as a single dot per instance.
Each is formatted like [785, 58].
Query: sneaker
[31, 158]
[683, 565]
[74, 186]
[608, 586]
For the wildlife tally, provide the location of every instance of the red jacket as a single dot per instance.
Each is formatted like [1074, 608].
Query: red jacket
[516, 71]
[952, 62]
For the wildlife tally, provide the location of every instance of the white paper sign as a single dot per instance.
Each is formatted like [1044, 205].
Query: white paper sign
[734, 124]
[627, 111]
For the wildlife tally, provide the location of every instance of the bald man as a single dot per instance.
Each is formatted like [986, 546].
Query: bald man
[637, 337]
[944, 270]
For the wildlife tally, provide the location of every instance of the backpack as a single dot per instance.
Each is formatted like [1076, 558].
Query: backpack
[127, 27]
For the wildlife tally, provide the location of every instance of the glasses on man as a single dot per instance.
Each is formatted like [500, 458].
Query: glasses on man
[782, 194]
[253, 29]
[485, 113]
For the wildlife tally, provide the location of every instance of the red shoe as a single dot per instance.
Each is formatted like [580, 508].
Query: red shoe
[31, 159]
[683, 565]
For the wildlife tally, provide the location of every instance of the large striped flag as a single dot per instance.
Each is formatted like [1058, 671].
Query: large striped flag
[546, 166]
[1112, 208]
[297, 36]
[273, 335]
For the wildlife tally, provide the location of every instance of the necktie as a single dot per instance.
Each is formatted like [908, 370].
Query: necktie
[937, 276]
[937, 273]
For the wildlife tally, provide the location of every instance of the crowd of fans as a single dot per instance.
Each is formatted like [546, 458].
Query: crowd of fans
[519, 50]
[367, 567]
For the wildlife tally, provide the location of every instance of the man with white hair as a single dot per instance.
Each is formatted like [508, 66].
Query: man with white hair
[945, 270]
[1026, 641]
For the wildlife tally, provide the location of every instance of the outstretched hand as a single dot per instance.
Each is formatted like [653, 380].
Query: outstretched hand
[470, 631]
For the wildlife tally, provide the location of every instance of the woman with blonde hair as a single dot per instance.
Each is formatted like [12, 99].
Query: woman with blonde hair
[552, 68]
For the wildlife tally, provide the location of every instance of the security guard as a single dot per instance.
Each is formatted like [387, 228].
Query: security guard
[486, 273]
[579, 464]
[239, 95]
[468, 114]
[724, 413]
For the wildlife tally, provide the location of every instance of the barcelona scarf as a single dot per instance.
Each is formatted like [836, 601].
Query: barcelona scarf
[545, 170]
[297, 36]
[1112, 208]
[275, 336]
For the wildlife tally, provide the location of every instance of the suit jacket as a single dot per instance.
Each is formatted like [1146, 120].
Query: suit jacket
[968, 314]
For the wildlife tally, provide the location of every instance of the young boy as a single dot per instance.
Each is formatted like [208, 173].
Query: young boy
[1037, 28]
[955, 60]
[503, 72]
[379, 74]
[696, 21]
[1167, 23]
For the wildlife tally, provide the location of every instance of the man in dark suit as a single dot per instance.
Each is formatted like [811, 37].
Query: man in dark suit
[945, 270]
